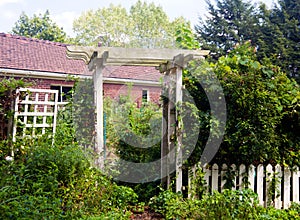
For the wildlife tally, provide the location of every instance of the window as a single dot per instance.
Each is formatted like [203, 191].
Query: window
[64, 92]
[145, 95]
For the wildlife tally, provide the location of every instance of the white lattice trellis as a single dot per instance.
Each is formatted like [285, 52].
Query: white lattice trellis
[35, 112]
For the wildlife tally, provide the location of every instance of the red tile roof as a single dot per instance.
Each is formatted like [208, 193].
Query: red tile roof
[17, 52]
[23, 53]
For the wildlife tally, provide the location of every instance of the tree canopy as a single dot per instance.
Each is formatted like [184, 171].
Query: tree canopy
[230, 22]
[263, 108]
[39, 26]
[145, 25]
[274, 32]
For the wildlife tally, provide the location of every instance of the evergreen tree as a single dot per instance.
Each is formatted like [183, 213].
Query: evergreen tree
[287, 17]
[270, 41]
[230, 22]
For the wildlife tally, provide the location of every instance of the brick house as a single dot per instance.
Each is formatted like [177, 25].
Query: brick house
[46, 65]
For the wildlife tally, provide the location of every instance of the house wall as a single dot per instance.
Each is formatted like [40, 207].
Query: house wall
[110, 90]
[115, 90]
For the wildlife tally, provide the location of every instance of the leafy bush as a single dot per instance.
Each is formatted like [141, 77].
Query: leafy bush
[227, 205]
[133, 134]
[54, 182]
[230, 204]
[262, 108]
[8, 88]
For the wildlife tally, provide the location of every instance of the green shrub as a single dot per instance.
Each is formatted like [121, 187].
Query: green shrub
[230, 204]
[271, 213]
[227, 205]
[46, 181]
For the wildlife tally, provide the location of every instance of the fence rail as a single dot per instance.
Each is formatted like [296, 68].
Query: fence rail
[275, 185]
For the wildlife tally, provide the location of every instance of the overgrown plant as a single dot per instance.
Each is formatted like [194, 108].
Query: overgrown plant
[8, 87]
[198, 186]
[133, 134]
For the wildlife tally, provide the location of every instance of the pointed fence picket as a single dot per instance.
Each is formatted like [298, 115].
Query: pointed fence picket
[276, 186]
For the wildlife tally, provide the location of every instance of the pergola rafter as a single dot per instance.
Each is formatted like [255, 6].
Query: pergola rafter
[170, 62]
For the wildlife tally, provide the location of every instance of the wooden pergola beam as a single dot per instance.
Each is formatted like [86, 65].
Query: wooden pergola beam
[130, 56]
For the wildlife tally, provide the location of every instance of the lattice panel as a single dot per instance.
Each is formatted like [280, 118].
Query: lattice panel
[35, 112]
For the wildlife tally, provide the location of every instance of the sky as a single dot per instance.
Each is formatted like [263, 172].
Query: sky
[63, 12]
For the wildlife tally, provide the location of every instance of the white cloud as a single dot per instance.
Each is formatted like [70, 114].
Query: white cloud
[5, 2]
[65, 20]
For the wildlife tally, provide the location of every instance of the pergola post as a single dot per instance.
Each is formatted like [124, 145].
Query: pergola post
[178, 129]
[98, 100]
[172, 124]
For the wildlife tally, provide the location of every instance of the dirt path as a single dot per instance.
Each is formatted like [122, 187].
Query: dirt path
[146, 215]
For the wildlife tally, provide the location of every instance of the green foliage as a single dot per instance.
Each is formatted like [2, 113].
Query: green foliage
[151, 26]
[198, 186]
[133, 134]
[261, 102]
[230, 204]
[271, 213]
[185, 38]
[227, 205]
[8, 88]
[81, 113]
[145, 25]
[286, 17]
[57, 181]
[39, 26]
[137, 130]
[274, 32]
[230, 22]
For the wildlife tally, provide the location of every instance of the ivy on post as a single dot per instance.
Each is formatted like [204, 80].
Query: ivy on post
[172, 120]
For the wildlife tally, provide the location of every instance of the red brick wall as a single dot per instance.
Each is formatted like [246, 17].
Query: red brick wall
[115, 90]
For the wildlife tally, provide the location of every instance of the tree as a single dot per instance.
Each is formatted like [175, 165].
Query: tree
[263, 109]
[145, 25]
[274, 32]
[39, 26]
[270, 39]
[229, 22]
[151, 26]
[286, 15]
[110, 26]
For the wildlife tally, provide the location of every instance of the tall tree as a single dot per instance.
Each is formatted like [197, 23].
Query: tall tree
[39, 26]
[151, 26]
[145, 25]
[229, 22]
[287, 17]
[110, 26]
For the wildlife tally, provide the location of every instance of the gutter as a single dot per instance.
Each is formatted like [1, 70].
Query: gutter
[39, 74]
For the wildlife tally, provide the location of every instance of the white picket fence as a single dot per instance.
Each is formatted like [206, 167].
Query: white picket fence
[259, 179]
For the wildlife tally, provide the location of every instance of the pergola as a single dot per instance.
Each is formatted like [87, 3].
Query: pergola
[170, 63]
